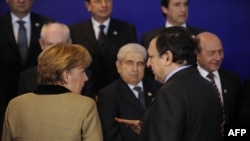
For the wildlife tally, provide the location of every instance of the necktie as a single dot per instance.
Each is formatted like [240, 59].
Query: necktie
[211, 77]
[101, 35]
[140, 96]
[22, 41]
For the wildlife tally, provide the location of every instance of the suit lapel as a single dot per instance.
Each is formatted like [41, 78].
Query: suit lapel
[148, 95]
[129, 96]
[225, 94]
[89, 35]
[10, 33]
[36, 26]
[108, 43]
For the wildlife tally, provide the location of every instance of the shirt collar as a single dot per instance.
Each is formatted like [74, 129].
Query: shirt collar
[170, 25]
[15, 18]
[96, 23]
[204, 72]
[139, 84]
[174, 72]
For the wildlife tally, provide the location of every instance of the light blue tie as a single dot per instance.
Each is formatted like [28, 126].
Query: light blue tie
[22, 41]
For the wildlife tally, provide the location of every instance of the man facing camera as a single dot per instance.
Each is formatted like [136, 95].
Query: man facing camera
[210, 55]
[176, 14]
[19, 48]
[127, 97]
[102, 36]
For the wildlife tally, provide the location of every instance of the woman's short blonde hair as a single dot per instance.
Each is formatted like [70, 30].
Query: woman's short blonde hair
[56, 59]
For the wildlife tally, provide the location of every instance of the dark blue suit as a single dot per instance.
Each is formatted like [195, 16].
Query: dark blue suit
[118, 100]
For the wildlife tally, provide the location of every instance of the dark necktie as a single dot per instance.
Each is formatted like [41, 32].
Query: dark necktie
[22, 41]
[101, 35]
[140, 96]
[211, 77]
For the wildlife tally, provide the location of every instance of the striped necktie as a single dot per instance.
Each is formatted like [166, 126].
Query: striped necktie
[211, 77]
[101, 35]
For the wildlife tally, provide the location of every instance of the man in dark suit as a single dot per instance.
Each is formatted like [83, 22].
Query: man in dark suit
[187, 107]
[176, 13]
[210, 55]
[244, 116]
[11, 63]
[119, 99]
[115, 34]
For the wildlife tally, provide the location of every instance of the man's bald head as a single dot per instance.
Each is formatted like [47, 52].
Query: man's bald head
[54, 33]
[209, 51]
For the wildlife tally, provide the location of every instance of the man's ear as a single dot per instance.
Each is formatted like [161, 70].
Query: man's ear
[87, 6]
[168, 57]
[118, 64]
[164, 10]
[42, 44]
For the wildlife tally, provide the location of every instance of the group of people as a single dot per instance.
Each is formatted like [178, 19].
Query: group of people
[101, 58]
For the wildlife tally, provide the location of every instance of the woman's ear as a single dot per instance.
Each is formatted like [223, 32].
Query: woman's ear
[66, 76]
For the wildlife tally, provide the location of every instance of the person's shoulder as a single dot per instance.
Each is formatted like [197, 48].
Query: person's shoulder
[188, 77]
[195, 30]
[5, 18]
[153, 31]
[147, 36]
[41, 17]
[113, 86]
[29, 71]
[80, 23]
[120, 22]
[21, 98]
[5, 15]
[150, 80]
[78, 98]
[79, 26]
[228, 73]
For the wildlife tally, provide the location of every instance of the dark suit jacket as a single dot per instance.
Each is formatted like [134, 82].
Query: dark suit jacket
[28, 83]
[103, 64]
[148, 36]
[10, 61]
[232, 93]
[117, 100]
[186, 108]
[244, 116]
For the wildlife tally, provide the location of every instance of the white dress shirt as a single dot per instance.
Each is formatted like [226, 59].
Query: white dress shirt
[134, 91]
[97, 24]
[204, 74]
